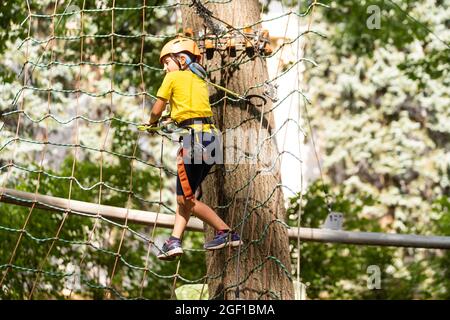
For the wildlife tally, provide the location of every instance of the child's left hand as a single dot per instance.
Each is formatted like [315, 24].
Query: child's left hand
[149, 127]
[152, 128]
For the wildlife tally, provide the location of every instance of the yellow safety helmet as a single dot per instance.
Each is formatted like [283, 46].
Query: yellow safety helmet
[179, 45]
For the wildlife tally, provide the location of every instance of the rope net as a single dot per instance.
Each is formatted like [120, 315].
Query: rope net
[86, 75]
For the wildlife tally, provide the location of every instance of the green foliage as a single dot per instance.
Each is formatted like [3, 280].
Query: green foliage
[400, 26]
[67, 253]
[441, 283]
[87, 37]
[11, 14]
[436, 65]
[338, 271]
[382, 113]
[192, 292]
[383, 134]
[122, 49]
[44, 225]
[354, 37]
[388, 138]
[401, 23]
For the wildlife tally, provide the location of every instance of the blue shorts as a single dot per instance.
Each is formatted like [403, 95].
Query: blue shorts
[203, 150]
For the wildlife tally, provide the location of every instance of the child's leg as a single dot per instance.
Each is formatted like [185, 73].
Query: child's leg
[207, 215]
[182, 216]
[221, 239]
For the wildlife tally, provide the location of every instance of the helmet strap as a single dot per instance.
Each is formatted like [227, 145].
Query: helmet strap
[195, 67]
[188, 61]
[175, 59]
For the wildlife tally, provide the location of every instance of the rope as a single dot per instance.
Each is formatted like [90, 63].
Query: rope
[53, 90]
[14, 152]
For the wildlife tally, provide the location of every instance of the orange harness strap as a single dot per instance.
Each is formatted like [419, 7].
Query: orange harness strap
[187, 190]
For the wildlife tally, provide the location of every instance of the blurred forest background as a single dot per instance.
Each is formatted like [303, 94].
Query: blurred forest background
[380, 113]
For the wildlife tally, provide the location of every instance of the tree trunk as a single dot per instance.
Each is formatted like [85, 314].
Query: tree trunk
[246, 195]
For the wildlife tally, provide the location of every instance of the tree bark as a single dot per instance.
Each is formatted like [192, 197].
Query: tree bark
[247, 195]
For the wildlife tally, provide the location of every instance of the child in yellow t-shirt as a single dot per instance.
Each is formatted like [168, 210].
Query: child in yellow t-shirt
[188, 96]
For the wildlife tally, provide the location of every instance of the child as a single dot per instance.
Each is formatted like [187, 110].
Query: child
[189, 101]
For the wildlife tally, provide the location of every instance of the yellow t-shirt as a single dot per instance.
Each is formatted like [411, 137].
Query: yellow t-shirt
[187, 94]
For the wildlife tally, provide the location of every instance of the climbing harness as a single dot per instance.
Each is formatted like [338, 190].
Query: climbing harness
[182, 174]
[196, 152]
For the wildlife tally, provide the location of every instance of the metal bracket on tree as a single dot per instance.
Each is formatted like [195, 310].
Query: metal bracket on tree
[234, 41]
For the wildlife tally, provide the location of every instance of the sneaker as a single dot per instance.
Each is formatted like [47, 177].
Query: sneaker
[223, 239]
[170, 250]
